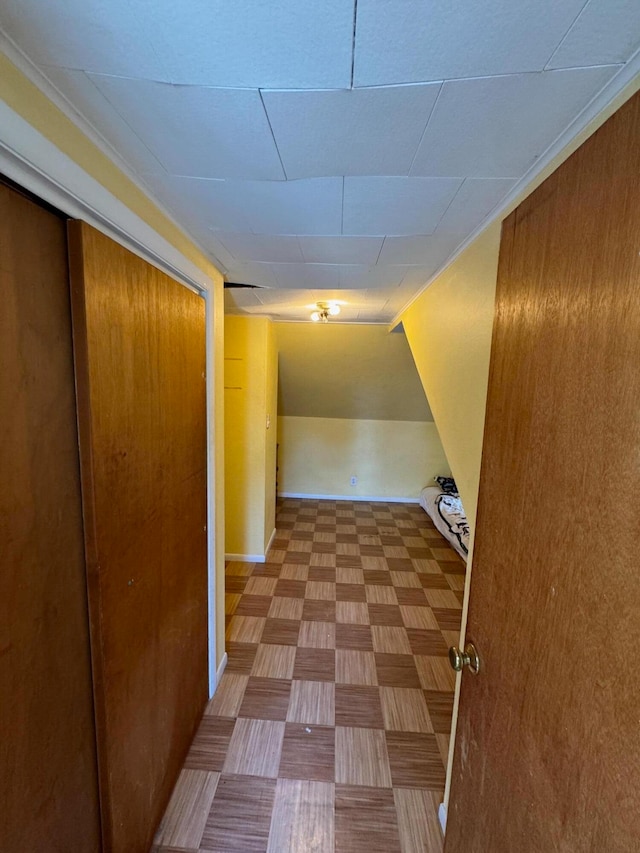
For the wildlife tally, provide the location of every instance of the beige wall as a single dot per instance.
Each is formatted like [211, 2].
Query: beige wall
[449, 331]
[348, 371]
[250, 390]
[391, 459]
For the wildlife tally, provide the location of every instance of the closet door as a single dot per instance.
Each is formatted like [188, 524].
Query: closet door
[48, 784]
[139, 340]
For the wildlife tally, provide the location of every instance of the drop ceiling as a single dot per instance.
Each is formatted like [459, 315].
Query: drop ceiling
[326, 150]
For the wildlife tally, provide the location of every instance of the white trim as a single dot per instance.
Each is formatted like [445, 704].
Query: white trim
[35, 163]
[626, 76]
[246, 558]
[211, 491]
[219, 674]
[373, 499]
[270, 542]
[442, 817]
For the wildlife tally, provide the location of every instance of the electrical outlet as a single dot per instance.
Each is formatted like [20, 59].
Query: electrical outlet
[354, 480]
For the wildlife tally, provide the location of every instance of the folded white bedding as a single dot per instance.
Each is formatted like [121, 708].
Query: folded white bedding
[447, 513]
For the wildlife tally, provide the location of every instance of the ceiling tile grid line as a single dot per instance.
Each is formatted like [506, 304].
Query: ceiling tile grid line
[273, 136]
[341, 147]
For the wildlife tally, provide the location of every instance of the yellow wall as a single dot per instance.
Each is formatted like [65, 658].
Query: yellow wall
[24, 98]
[391, 459]
[250, 384]
[271, 403]
[449, 331]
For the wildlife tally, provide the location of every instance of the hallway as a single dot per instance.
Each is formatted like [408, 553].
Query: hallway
[330, 728]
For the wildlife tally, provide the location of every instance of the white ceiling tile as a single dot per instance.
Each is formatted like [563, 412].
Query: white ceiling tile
[274, 44]
[370, 278]
[426, 249]
[401, 296]
[262, 247]
[498, 126]
[396, 205]
[307, 276]
[96, 109]
[297, 298]
[252, 273]
[105, 36]
[214, 248]
[350, 298]
[606, 31]
[475, 199]
[421, 40]
[241, 297]
[312, 206]
[211, 204]
[197, 131]
[349, 132]
[415, 278]
[341, 250]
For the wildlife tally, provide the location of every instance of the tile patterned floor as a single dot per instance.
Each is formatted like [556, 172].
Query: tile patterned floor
[330, 728]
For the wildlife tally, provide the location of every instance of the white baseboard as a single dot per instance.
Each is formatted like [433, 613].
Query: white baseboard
[442, 817]
[246, 558]
[369, 498]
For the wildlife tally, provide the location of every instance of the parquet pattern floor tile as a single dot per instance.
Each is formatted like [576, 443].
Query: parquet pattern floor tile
[330, 726]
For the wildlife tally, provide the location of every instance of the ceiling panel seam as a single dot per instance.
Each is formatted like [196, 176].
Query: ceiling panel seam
[455, 195]
[426, 125]
[353, 40]
[564, 37]
[273, 136]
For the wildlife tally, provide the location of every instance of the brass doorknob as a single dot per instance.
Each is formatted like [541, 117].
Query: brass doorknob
[469, 658]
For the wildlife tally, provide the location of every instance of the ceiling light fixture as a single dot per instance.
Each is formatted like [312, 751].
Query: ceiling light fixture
[324, 310]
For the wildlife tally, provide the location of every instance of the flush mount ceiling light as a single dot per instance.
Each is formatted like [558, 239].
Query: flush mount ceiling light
[324, 310]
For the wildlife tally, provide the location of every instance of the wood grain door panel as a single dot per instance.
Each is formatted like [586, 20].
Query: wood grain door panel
[547, 753]
[139, 340]
[48, 777]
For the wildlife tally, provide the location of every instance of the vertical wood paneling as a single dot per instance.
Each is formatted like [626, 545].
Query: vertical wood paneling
[548, 743]
[48, 785]
[139, 342]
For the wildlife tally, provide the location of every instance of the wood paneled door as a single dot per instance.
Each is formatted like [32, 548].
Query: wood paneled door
[547, 755]
[139, 340]
[48, 783]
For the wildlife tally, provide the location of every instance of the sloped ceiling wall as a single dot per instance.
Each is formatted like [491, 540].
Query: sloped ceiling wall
[358, 372]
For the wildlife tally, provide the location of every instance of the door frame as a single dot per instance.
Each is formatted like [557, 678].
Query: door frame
[35, 163]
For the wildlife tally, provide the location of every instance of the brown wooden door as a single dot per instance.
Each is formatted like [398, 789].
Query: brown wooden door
[48, 777]
[547, 754]
[139, 340]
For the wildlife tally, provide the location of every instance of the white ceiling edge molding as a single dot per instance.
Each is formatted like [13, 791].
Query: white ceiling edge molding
[625, 83]
[132, 232]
